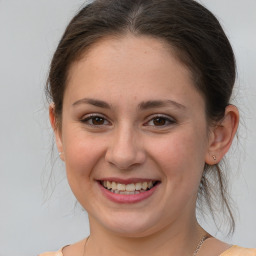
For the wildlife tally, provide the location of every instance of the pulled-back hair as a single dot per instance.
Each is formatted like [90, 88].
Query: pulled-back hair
[187, 27]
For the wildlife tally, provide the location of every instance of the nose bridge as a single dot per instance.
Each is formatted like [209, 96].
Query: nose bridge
[125, 149]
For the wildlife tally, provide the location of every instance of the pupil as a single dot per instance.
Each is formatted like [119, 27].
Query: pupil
[97, 121]
[159, 121]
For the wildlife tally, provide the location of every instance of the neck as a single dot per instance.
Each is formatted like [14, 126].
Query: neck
[175, 239]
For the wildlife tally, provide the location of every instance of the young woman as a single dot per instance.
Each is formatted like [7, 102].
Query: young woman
[140, 109]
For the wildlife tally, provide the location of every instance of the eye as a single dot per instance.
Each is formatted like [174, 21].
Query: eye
[95, 120]
[160, 121]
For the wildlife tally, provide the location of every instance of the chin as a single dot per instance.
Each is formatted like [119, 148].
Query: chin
[132, 225]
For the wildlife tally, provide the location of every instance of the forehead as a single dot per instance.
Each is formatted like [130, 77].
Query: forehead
[128, 47]
[140, 65]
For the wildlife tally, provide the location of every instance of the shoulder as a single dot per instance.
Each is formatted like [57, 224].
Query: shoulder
[58, 253]
[73, 249]
[213, 247]
[239, 251]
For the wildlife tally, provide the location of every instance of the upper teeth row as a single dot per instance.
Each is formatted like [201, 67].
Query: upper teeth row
[129, 187]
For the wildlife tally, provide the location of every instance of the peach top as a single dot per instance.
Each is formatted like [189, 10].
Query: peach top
[232, 251]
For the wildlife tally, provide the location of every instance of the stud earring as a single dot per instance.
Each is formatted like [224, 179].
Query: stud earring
[60, 153]
[214, 157]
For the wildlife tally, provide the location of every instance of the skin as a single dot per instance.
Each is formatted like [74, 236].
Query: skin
[129, 141]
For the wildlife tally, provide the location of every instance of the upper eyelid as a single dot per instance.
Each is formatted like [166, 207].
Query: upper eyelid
[87, 117]
[148, 118]
[94, 115]
[161, 115]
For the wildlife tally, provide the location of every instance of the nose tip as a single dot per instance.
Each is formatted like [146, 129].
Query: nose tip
[125, 153]
[125, 160]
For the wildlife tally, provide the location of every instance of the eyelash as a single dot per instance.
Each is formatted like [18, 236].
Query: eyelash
[92, 117]
[164, 118]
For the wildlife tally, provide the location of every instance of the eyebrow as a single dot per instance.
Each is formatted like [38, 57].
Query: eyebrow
[142, 106]
[94, 102]
[160, 103]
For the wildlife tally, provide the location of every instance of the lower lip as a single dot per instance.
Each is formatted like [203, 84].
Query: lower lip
[128, 199]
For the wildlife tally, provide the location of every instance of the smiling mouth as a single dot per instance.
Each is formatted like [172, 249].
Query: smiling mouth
[128, 189]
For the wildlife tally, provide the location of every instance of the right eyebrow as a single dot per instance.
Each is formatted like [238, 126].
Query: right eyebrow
[94, 102]
[160, 103]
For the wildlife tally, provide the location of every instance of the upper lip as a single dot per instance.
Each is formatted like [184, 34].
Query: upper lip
[127, 181]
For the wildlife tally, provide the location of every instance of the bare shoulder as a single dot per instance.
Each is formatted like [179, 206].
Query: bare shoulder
[58, 253]
[69, 250]
[74, 249]
[213, 247]
[239, 251]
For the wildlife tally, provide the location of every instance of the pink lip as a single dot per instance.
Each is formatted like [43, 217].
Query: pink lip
[127, 199]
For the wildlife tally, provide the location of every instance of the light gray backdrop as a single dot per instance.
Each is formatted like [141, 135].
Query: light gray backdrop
[31, 219]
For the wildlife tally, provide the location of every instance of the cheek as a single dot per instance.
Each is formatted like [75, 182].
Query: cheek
[181, 157]
[82, 153]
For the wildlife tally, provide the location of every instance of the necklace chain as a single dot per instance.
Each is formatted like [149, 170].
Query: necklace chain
[198, 247]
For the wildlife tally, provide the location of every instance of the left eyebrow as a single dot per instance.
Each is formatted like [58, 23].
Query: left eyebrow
[160, 103]
[94, 102]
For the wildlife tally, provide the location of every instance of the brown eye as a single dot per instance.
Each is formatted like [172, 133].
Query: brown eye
[159, 121]
[94, 120]
[97, 120]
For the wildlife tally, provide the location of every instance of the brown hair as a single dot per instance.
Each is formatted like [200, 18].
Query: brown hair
[189, 28]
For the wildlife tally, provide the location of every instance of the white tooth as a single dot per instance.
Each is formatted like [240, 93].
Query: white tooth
[113, 185]
[144, 185]
[130, 187]
[120, 187]
[138, 186]
[126, 193]
[109, 184]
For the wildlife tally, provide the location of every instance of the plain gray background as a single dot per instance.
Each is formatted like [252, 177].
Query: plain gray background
[31, 219]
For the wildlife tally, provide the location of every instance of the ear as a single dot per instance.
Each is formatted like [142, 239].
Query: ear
[221, 135]
[56, 130]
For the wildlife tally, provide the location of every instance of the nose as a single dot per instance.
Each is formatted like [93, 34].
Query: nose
[125, 149]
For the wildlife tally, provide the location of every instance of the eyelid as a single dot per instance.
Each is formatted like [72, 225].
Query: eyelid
[170, 119]
[87, 117]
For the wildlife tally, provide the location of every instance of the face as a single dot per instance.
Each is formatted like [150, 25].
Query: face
[133, 136]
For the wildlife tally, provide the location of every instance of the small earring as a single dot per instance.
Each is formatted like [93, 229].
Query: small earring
[214, 157]
[60, 153]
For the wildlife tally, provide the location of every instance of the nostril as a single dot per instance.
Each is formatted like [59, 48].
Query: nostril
[125, 160]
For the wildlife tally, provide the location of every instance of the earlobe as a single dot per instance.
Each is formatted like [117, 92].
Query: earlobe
[56, 131]
[222, 135]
